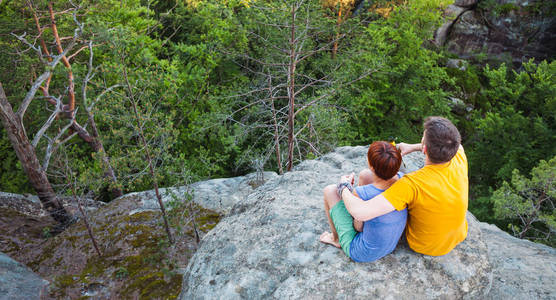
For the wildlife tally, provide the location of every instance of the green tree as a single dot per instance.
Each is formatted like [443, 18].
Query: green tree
[516, 127]
[198, 35]
[411, 82]
[530, 203]
[289, 110]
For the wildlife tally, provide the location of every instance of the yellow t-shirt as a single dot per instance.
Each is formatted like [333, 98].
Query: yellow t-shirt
[436, 198]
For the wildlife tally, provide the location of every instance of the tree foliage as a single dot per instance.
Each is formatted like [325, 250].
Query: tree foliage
[410, 82]
[202, 72]
[530, 203]
[517, 122]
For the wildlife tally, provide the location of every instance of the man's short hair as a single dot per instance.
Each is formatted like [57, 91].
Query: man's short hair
[442, 139]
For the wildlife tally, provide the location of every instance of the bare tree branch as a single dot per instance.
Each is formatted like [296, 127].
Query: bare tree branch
[31, 93]
[48, 123]
[38, 82]
[22, 39]
[77, 52]
[54, 144]
[78, 31]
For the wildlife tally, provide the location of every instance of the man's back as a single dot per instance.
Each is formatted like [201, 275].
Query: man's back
[436, 197]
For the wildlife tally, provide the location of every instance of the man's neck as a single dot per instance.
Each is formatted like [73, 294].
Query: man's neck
[428, 162]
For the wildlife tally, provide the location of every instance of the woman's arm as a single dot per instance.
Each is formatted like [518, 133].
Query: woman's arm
[358, 225]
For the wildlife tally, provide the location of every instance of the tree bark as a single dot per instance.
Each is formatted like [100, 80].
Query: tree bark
[338, 22]
[26, 154]
[276, 134]
[291, 90]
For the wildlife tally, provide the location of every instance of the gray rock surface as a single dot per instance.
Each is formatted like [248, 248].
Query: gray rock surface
[459, 64]
[218, 195]
[18, 282]
[30, 205]
[267, 247]
[504, 30]
[458, 106]
[521, 269]
[451, 15]
[26, 204]
[221, 194]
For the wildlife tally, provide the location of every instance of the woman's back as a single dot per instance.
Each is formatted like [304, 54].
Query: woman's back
[381, 234]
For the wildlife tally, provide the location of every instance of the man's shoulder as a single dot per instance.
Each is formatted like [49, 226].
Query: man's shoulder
[460, 154]
[408, 181]
[459, 161]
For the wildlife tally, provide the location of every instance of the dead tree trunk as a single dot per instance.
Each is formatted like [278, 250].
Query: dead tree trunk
[26, 154]
[291, 89]
[291, 32]
[275, 124]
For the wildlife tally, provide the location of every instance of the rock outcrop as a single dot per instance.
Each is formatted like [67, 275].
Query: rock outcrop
[521, 269]
[18, 282]
[501, 30]
[218, 195]
[136, 260]
[267, 247]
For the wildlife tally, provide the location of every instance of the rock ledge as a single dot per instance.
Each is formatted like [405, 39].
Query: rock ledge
[267, 247]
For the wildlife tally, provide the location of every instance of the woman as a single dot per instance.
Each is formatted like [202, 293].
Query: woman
[375, 238]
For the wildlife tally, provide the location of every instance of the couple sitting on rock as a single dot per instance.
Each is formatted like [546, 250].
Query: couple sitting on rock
[367, 222]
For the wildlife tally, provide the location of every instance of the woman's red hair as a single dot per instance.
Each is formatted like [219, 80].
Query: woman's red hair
[385, 159]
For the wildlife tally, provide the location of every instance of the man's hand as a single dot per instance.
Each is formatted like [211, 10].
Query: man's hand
[348, 178]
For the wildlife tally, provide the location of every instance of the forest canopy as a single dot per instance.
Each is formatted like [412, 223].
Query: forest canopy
[224, 88]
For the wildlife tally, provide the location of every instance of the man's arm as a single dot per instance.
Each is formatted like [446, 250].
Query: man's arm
[358, 225]
[408, 148]
[366, 210]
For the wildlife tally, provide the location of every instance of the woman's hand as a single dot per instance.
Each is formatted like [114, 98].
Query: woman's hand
[348, 178]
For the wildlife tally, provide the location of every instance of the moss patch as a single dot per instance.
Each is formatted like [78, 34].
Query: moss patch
[137, 260]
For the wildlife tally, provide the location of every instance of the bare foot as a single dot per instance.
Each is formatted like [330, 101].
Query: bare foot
[328, 238]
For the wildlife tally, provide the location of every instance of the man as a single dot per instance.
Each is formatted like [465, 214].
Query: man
[436, 195]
